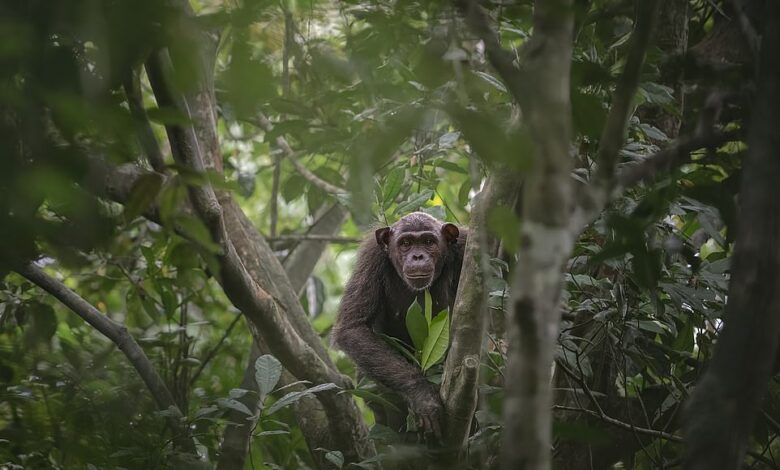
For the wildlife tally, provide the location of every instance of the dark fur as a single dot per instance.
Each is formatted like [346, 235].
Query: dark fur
[376, 299]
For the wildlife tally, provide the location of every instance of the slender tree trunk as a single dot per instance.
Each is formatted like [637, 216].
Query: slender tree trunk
[546, 241]
[722, 409]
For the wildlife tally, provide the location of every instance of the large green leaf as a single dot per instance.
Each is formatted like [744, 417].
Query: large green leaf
[144, 192]
[437, 341]
[414, 202]
[267, 372]
[392, 186]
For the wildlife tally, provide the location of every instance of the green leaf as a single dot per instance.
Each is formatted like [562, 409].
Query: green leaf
[234, 404]
[414, 203]
[400, 346]
[144, 192]
[293, 187]
[393, 184]
[463, 192]
[447, 165]
[197, 231]
[383, 434]
[416, 325]
[437, 341]
[267, 372]
[293, 397]
[275, 432]
[436, 211]
[43, 323]
[428, 307]
[372, 397]
[588, 114]
[653, 326]
[335, 457]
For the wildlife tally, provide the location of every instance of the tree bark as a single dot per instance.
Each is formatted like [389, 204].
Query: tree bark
[546, 241]
[460, 379]
[309, 412]
[722, 409]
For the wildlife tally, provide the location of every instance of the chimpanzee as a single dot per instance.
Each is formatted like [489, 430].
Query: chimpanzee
[394, 268]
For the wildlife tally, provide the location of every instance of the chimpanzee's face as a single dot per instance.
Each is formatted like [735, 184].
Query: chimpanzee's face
[416, 245]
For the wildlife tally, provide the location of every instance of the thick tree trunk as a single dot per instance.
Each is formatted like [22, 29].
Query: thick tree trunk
[546, 241]
[722, 409]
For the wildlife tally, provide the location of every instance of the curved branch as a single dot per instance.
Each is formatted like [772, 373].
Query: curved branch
[614, 131]
[266, 313]
[291, 155]
[621, 424]
[501, 59]
[146, 136]
[117, 333]
[300, 263]
[310, 415]
[676, 154]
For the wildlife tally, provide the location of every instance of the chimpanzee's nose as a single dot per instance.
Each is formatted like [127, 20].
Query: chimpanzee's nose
[417, 257]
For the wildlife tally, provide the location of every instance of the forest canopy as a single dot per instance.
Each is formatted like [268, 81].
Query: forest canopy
[185, 185]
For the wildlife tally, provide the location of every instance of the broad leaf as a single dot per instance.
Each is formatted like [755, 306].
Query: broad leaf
[267, 372]
[414, 203]
[234, 404]
[144, 192]
[393, 184]
[416, 325]
[437, 341]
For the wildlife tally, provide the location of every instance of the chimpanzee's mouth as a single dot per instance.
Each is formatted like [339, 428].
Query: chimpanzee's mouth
[419, 276]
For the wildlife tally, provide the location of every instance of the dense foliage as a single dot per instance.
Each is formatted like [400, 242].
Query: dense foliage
[381, 108]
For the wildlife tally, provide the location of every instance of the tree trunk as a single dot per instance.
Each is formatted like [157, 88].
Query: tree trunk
[721, 411]
[546, 241]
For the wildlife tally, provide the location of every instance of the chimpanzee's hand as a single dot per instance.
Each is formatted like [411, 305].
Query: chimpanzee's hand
[428, 410]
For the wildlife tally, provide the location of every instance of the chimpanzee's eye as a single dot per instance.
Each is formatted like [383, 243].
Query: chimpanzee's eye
[405, 242]
[428, 242]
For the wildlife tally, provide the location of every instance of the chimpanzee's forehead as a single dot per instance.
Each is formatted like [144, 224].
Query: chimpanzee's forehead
[416, 222]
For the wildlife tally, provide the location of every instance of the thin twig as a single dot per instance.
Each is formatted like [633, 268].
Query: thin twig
[621, 424]
[501, 59]
[614, 131]
[213, 352]
[275, 195]
[313, 237]
[291, 155]
[672, 156]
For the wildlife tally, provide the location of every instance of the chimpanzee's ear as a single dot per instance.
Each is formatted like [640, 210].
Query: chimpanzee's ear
[383, 236]
[450, 232]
